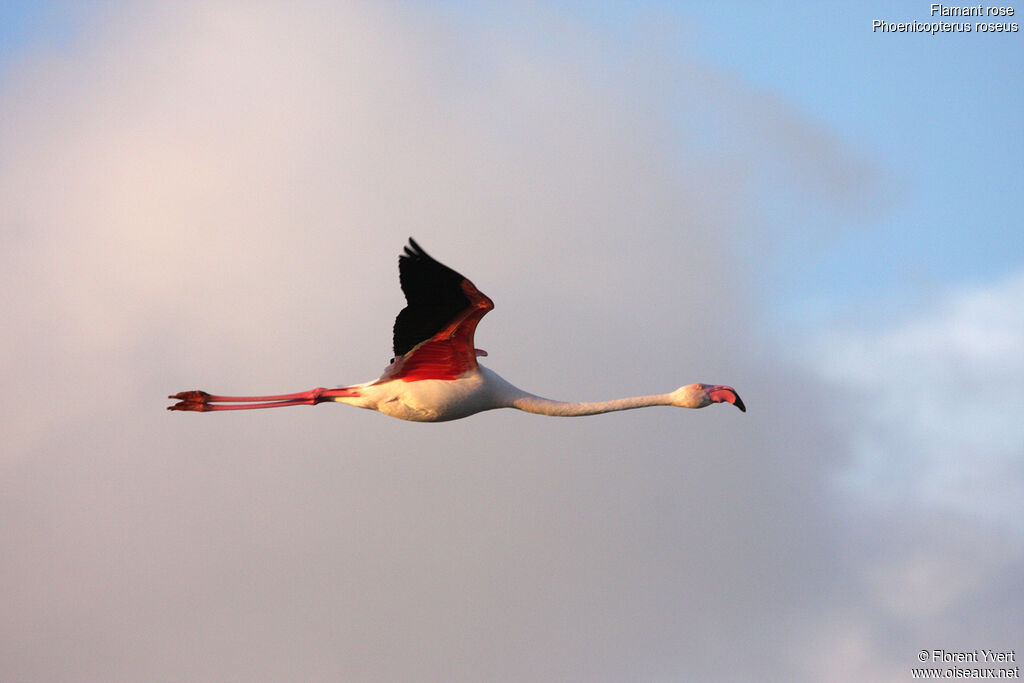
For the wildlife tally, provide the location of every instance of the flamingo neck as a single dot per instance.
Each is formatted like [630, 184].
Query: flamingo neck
[507, 395]
[545, 406]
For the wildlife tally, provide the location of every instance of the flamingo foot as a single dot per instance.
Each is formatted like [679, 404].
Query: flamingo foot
[191, 400]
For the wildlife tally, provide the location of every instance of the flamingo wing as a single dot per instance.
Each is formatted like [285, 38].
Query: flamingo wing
[433, 334]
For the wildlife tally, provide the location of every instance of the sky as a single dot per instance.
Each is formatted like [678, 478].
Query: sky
[772, 196]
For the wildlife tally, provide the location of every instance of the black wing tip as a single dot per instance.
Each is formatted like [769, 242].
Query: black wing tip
[414, 251]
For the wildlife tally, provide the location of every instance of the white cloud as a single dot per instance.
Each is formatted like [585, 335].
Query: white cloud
[933, 403]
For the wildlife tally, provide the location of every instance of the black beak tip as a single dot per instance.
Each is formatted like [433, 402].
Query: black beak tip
[739, 404]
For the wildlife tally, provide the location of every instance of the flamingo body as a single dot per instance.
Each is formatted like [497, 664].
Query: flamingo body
[435, 376]
[436, 400]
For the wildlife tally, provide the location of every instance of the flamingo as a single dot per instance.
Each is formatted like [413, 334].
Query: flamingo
[434, 375]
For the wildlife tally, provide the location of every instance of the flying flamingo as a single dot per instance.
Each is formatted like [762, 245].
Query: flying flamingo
[434, 375]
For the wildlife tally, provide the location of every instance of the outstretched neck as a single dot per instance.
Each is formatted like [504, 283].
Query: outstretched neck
[544, 406]
[508, 396]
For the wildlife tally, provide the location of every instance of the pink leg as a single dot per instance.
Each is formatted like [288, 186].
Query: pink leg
[202, 401]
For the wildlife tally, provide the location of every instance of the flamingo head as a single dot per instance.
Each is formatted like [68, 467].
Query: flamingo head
[701, 395]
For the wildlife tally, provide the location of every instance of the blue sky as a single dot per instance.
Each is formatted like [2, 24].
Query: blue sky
[938, 115]
[212, 195]
[26, 25]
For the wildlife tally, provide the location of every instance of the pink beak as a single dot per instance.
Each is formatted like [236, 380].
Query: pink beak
[719, 393]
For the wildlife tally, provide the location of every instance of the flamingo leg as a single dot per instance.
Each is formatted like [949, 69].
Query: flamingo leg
[201, 401]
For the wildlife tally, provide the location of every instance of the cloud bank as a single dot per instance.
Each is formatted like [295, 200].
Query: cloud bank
[944, 387]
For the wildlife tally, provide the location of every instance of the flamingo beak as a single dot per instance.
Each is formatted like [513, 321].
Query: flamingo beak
[722, 394]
